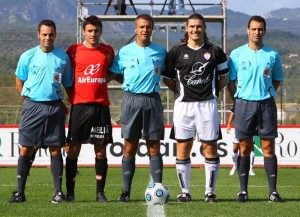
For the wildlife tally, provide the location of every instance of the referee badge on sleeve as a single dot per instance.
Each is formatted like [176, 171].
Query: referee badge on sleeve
[267, 72]
[57, 77]
[156, 70]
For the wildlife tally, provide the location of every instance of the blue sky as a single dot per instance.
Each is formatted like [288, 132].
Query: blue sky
[250, 7]
[260, 7]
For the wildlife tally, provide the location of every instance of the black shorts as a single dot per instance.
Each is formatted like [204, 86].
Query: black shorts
[90, 123]
[255, 118]
[142, 116]
[42, 124]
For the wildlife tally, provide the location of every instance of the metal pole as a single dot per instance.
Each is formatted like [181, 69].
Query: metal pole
[168, 92]
[151, 3]
[168, 106]
[167, 27]
[78, 22]
[224, 36]
[281, 105]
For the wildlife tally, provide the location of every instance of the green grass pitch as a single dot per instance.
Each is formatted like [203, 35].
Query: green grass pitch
[40, 188]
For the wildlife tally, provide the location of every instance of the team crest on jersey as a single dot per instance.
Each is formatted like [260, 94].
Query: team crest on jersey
[267, 72]
[185, 57]
[207, 55]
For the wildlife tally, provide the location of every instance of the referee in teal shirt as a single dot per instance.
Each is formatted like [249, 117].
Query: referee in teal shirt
[255, 74]
[40, 75]
[141, 63]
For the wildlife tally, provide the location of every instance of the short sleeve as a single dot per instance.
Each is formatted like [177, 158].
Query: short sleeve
[277, 73]
[170, 69]
[22, 67]
[232, 68]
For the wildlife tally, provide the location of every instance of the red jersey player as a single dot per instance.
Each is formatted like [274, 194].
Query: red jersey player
[90, 115]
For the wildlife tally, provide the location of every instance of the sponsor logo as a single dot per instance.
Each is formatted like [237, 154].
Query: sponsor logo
[272, 197]
[99, 132]
[92, 69]
[127, 173]
[185, 57]
[245, 65]
[212, 168]
[98, 177]
[287, 149]
[158, 171]
[197, 70]
[91, 80]
[180, 171]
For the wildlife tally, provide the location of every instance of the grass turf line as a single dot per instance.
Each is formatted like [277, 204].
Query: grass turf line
[39, 192]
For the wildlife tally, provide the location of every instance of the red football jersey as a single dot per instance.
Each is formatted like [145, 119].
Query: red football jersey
[90, 70]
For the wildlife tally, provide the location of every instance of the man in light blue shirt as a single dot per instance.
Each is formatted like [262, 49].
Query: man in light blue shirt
[255, 74]
[40, 73]
[141, 63]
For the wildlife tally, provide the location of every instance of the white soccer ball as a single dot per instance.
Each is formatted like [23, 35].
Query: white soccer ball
[157, 194]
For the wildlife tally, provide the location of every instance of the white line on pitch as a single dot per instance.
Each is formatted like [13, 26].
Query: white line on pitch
[155, 210]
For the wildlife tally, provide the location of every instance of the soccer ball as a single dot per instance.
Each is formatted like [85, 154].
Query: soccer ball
[157, 193]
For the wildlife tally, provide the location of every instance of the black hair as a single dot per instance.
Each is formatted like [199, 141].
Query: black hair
[145, 17]
[93, 20]
[258, 19]
[49, 23]
[194, 17]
